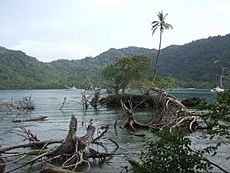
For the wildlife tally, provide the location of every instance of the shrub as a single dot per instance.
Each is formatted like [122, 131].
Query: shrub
[172, 153]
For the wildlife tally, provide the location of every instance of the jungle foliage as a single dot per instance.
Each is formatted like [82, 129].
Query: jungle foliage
[172, 153]
[126, 70]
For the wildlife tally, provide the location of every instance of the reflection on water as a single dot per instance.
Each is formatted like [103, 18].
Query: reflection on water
[48, 102]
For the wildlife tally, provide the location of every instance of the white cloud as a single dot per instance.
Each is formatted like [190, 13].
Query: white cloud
[48, 51]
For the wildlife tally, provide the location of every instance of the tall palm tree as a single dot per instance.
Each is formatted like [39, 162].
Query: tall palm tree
[163, 26]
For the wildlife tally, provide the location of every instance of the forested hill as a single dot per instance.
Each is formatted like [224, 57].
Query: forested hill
[103, 59]
[18, 70]
[200, 60]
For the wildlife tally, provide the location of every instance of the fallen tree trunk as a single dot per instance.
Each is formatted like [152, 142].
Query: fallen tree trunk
[12, 147]
[54, 169]
[19, 120]
[2, 166]
[72, 152]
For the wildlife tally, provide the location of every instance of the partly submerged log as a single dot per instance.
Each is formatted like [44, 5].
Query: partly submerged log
[31, 144]
[54, 169]
[19, 120]
[2, 165]
[137, 134]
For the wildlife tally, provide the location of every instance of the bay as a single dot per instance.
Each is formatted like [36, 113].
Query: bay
[48, 102]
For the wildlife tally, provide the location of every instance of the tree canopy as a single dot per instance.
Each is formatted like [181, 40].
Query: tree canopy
[126, 70]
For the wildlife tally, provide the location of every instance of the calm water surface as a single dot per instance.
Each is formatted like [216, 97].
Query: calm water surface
[48, 102]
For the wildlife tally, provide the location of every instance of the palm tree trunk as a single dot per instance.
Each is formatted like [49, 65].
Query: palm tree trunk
[159, 49]
[158, 54]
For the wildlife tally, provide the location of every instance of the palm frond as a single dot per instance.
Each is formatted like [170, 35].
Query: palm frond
[168, 26]
[153, 30]
[161, 23]
[160, 15]
[155, 24]
[165, 15]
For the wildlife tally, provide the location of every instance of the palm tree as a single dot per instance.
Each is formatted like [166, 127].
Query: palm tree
[163, 26]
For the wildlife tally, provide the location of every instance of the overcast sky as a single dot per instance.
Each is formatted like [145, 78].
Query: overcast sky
[74, 29]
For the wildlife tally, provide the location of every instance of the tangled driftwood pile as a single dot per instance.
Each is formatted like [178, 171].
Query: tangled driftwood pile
[172, 113]
[70, 154]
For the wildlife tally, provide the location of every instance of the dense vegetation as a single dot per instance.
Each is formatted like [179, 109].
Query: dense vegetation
[21, 71]
[173, 152]
[126, 71]
[196, 64]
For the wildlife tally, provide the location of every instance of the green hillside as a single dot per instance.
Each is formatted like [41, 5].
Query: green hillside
[200, 60]
[196, 64]
[18, 70]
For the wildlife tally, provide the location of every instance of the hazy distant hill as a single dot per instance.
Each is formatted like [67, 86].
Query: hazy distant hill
[198, 61]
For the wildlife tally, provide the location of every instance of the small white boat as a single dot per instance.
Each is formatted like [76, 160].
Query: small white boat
[217, 90]
[221, 88]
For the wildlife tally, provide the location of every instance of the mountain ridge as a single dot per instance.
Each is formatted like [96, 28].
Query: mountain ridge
[200, 60]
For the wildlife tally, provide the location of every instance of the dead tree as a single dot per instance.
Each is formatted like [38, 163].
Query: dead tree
[131, 122]
[90, 98]
[84, 100]
[172, 113]
[95, 99]
[24, 104]
[71, 153]
[63, 103]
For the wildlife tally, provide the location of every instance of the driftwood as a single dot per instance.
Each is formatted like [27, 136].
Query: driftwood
[90, 97]
[137, 134]
[2, 165]
[72, 152]
[172, 114]
[84, 100]
[31, 144]
[19, 120]
[24, 104]
[95, 99]
[54, 169]
[63, 103]
[131, 122]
